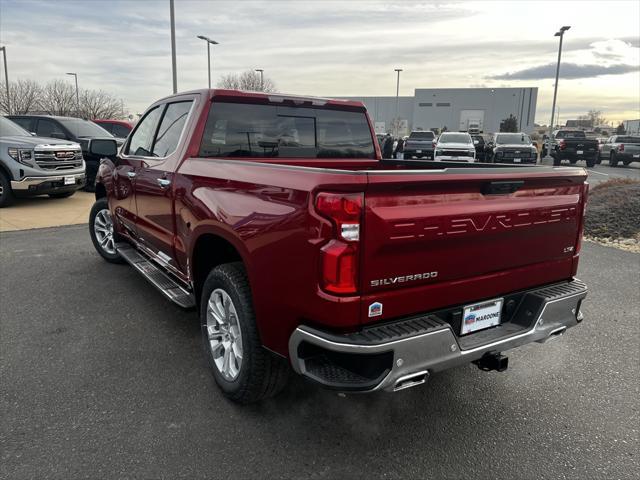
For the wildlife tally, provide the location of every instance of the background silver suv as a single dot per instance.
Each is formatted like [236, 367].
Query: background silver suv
[34, 165]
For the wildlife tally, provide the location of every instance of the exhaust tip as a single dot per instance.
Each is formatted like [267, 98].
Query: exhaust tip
[557, 333]
[411, 380]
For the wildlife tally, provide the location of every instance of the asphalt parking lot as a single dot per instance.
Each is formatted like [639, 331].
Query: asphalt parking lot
[103, 378]
[603, 172]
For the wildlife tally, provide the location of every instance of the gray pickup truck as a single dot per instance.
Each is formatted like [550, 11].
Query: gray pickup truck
[420, 144]
[34, 165]
[621, 148]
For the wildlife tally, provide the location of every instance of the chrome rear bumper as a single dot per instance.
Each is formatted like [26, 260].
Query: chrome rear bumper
[428, 344]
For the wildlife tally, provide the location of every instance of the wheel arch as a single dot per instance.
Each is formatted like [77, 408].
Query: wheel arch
[101, 190]
[210, 249]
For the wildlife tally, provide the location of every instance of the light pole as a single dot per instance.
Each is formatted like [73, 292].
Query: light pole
[559, 33]
[173, 47]
[209, 43]
[77, 95]
[6, 78]
[398, 70]
[261, 78]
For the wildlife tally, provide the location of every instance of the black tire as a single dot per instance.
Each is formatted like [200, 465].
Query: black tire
[110, 256]
[591, 162]
[556, 161]
[261, 374]
[573, 161]
[599, 159]
[626, 163]
[613, 160]
[6, 194]
[62, 195]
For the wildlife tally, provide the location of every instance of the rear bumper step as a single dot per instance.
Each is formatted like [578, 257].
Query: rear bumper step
[154, 274]
[404, 353]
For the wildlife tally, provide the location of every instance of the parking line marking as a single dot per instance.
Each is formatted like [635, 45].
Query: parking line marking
[599, 173]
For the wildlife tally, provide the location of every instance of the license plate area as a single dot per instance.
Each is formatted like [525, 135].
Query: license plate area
[579, 152]
[481, 315]
[69, 180]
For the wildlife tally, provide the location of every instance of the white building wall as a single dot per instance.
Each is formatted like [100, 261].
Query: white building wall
[632, 127]
[439, 107]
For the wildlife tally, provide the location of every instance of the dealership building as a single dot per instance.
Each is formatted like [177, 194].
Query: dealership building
[453, 108]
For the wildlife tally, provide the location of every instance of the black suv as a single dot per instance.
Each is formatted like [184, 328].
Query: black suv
[68, 128]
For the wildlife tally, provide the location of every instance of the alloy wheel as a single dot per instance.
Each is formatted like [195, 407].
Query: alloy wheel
[224, 335]
[103, 228]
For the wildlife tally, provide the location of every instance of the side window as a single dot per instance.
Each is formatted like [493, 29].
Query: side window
[559, 135]
[175, 116]
[142, 138]
[23, 122]
[47, 128]
[120, 131]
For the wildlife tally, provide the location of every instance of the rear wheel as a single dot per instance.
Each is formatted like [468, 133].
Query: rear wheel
[102, 233]
[573, 161]
[591, 162]
[626, 162]
[6, 194]
[243, 369]
[556, 161]
[613, 159]
[61, 195]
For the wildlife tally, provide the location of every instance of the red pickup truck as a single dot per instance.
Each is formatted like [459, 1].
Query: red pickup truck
[275, 216]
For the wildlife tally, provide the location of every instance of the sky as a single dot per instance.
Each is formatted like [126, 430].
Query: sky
[335, 48]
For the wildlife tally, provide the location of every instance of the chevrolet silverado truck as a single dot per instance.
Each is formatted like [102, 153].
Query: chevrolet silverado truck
[32, 166]
[455, 147]
[275, 217]
[573, 145]
[512, 148]
[420, 144]
[621, 148]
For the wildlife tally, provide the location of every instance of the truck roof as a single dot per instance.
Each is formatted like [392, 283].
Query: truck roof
[276, 98]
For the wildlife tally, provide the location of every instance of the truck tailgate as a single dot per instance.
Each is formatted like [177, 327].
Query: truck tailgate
[436, 239]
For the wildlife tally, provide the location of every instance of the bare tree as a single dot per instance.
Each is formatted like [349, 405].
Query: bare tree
[58, 98]
[596, 117]
[248, 80]
[23, 97]
[99, 104]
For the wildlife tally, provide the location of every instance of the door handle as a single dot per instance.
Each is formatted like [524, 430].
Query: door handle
[131, 174]
[163, 182]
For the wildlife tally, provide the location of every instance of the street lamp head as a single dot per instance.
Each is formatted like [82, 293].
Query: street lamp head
[207, 39]
[397, 70]
[70, 73]
[565, 28]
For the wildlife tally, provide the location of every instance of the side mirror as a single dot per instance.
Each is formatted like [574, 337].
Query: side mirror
[103, 147]
[476, 142]
[58, 135]
[33, 134]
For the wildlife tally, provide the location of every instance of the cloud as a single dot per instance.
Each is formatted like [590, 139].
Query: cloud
[567, 70]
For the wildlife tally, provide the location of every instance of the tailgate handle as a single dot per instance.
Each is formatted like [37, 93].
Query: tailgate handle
[501, 188]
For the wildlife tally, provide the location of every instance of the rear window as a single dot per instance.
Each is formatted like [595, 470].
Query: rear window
[565, 134]
[628, 140]
[454, 138]
[246, 130]
[422, 135]
[513, 138]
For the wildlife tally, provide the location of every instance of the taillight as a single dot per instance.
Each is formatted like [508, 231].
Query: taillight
[585, 198]
[434, 144]
[621, 147]
[339, 257]
[562, 145]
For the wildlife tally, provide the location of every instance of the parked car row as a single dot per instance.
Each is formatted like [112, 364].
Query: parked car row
[42, 154]
[462, 146]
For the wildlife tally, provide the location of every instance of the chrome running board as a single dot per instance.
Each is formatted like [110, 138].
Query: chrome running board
[154, 274]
